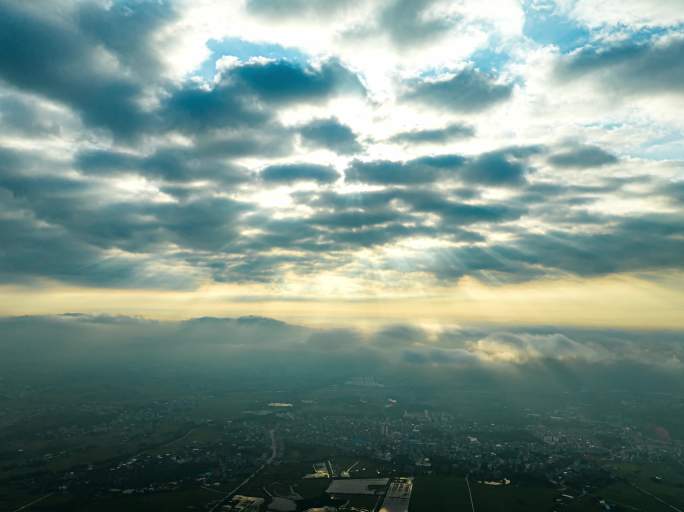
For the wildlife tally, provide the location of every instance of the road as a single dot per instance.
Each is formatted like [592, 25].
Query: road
[657, 498]
[24, 507]
[274, 453]
[274, 446]
[472, 503]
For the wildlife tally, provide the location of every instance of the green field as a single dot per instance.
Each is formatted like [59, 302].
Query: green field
[431, 493]
[436, 493]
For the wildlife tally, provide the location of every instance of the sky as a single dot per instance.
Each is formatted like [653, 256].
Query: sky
[345, 163]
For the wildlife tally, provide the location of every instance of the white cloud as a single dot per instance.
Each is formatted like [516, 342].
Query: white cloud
[636, 13]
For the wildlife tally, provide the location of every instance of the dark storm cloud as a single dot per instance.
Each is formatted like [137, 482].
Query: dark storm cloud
[468, 91]
[629, 66]
[583, 157]
[291, 173]
[51, 58]
[330, 134]
[434, 136]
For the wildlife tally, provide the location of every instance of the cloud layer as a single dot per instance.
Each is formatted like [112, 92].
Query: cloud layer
[554, 358]
[378, 144]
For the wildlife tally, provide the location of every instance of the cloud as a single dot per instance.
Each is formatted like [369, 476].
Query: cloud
[398, 335]
[434, 136]
[421, 170]
[103, 240]
[334, 340]
[20, 116]
[388, 172]
[133, 173]
[467, 91]
[246, 93]
[630, 13]
[291, 173]
[458, 211]
[48, 57]
[507, 167]
[182, 164]
[439, 357]
[127, 29]
[295, 8]
[409, 22]
[355, 219]
[330, 134]
[547, 357]
[43, 252]
[194, 108]
[674, 191]
[283, 82]
[631, 67]
[206, 224]
[636, 244]
[583, 157]
[523, 347]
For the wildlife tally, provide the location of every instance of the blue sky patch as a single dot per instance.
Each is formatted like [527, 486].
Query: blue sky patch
[244, 50]
[545, 27]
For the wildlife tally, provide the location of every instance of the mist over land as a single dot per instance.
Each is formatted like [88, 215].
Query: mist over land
[497, 358]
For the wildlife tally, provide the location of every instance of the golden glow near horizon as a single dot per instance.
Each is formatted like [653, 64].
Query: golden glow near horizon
[618, 301]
